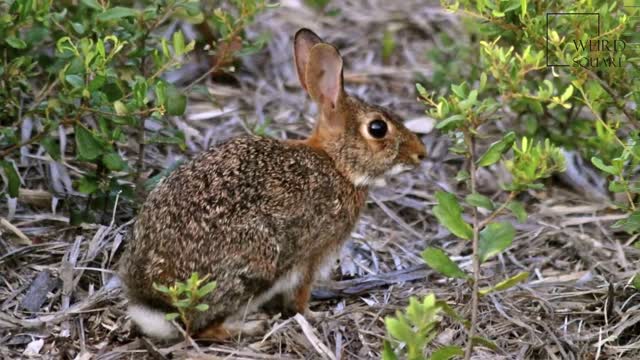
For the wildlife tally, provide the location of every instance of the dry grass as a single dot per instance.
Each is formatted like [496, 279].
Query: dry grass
[576, 305]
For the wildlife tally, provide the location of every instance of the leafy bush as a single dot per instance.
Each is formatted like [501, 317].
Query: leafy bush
[79, 83]
[415, 328]
[186, 296]
[590, 106]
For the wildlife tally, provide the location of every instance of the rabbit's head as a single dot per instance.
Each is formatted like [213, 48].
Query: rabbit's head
[365, 141]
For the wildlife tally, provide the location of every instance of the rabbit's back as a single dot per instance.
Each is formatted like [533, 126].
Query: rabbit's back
[245, 213]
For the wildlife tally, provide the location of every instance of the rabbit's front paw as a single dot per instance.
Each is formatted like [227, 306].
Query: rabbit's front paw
[315, 316]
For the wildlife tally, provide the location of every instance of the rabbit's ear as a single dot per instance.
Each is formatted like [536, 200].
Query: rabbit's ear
[324, 76]
[303, 41]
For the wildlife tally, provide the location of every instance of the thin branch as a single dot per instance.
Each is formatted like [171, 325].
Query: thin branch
[186, 336]
[469, 139]
[225, 52]
[8, 150]
[141, 130]
[615, 97]
[497, 212]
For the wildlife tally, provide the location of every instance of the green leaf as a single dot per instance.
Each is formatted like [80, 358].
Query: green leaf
[52, 147]
[180, 288]
[447, 309]
[192, 8]
[517, 208]
[92, 4]
[597, 162]
[15, 42]
[89, 147]
[523, 8]
[567, 93]
[162, 288]
[439, 261]
[78, 27]
[630, 224]
[506, 284]
[460, 90]
[481, 341]
[161, 93]
[117, 12]
[113, 91]
[616, 186]
[449, 214]
[479, 200]
[13, 187]
[88, 185]
[387, 352]
[450, 122]
[483, 81]
[202, 307]
[76, 81]
[178, 43]
[184, 303]
[388, 44]
[140, 90]
[422, 91]
[113, 161]
[399, 329]
[496, 150]
[462, 175]
[120, 108]
[171, 316]
[494, 239]
[635, 282]
[176, 101]
[208, 288]
[447, 352]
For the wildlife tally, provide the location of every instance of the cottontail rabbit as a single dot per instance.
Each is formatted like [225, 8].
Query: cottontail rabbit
[261, 216]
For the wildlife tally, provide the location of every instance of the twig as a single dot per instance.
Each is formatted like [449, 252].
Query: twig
[497, 212]
[221, 55]
[8, 150]
[186, 336]
[469, 139]
[615, 97]
[318, 345]
[115, 207]
[24, 239]
[141, 130]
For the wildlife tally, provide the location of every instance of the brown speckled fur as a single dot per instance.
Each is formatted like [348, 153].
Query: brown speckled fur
[251, 209]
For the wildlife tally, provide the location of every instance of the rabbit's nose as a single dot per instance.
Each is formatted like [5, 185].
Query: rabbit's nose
[420, 154]
[418, 157]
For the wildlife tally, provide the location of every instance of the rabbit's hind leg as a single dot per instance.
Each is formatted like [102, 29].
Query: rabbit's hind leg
[214, 332]
[224, 331]
[302, 293]
[301, 296]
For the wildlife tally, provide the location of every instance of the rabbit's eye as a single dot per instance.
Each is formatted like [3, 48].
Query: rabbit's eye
[378, 128]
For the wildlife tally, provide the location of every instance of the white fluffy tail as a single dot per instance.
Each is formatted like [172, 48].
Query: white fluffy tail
[152, 322]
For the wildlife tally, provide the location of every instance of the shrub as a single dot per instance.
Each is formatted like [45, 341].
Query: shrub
[79, 83]
[185, 297]
[587, 106]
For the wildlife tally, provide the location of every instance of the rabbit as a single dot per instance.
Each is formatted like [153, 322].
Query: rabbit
[262, 216]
